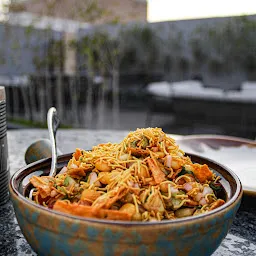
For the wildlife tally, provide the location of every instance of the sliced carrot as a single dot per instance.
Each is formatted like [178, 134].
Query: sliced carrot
[77, 154]
[217, 204]
[158, 175]
[44, 185]
[202, 172]
[107, 201]
[91, 195]
[138, 151]
[88, 211]
[77, 172]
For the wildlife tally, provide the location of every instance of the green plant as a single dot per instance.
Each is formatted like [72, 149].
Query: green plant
[2, 58]
[140, 48]
[226, 47]
[198, 51]
[183, 64]
[215, 65]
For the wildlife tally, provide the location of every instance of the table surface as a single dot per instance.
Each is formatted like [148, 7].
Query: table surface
[241, 239]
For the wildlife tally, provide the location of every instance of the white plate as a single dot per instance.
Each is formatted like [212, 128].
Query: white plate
[236, 153]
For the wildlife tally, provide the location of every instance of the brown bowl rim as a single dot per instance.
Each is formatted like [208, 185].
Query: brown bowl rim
[234, 199]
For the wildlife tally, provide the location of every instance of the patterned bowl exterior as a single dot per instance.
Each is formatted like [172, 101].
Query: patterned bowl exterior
[53, 233]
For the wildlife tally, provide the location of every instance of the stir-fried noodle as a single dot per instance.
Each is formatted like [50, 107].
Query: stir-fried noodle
[146, 177]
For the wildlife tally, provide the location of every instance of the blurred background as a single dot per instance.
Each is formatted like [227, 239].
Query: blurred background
[186, 66]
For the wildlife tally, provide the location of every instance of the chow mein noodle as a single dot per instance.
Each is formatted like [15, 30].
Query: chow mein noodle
[146, 177]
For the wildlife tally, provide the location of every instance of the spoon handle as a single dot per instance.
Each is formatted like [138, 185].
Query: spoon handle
[53, 124]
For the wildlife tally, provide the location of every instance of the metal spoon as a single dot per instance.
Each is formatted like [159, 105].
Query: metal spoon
[53, 123]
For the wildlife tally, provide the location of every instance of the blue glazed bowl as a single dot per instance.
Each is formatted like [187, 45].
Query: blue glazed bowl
[54, 233]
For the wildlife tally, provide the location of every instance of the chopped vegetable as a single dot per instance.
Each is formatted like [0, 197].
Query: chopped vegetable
[134, 144]
[144, 142]
[184, 171]
[68, 181]
[215, 186]
[202, 172]
[146, 177]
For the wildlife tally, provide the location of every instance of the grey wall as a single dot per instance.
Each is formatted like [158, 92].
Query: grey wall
[230, 80]
[187, 28]
[19, 46]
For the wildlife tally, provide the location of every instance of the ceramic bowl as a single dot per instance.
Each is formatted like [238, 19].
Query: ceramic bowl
[54, 233]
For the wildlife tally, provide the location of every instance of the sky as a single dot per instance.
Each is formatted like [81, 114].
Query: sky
[161, 10]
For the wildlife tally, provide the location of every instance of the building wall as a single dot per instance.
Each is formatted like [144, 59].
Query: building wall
[230, 79]
[20, 47]
[107, 11]
[113, 10]
[124, 10]
[16, 54]
[225, 80]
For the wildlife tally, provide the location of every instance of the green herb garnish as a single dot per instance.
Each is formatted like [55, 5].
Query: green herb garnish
[215, 186]
[133, 144]
[144, 142]
[61, 189]
[87, 176]
[184, 171]
[66, 181]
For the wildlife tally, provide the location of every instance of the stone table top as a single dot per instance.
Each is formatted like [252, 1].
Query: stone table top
[241, 239]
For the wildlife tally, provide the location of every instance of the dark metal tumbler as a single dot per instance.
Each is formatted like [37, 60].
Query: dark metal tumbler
[4, 164]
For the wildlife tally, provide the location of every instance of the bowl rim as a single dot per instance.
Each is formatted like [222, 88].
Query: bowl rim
[237, 195]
